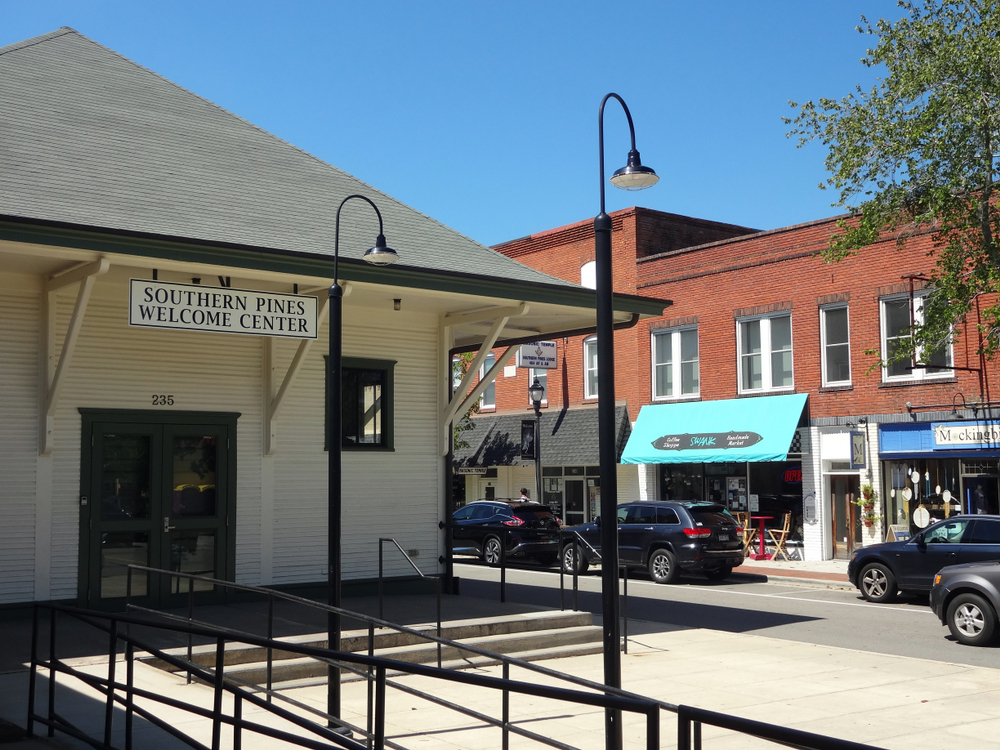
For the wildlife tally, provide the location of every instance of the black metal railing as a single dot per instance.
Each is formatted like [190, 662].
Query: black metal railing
[381, 575]
[695, 717]
[129, 696]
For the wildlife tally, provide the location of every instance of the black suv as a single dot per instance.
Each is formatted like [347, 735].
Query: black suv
[880, 570]
[530, 529]
[665, 538]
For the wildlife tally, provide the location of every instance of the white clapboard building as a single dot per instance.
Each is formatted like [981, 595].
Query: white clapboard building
[164, 268]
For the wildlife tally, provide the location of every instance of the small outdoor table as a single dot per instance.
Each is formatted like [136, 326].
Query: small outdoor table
[762, 553]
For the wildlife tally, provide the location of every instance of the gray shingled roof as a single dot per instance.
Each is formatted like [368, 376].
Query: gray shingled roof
[568, 437]
[88, 137]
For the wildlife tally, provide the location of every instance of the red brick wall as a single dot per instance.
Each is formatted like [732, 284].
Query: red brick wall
[710, 282]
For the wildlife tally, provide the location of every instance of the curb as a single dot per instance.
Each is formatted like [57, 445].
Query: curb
[793, 580]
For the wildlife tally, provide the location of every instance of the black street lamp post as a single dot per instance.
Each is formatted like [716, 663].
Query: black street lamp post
[633, 176]
[536, 391]
[382, 256]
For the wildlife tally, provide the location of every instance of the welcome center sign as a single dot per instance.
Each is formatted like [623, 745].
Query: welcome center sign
[192, 307]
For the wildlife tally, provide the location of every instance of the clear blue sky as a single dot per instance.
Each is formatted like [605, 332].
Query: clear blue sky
[484, 115]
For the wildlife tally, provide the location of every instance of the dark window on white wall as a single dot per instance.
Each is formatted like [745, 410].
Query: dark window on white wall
[367, 404]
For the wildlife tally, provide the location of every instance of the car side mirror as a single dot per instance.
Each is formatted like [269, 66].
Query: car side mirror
[597, 520]
[921, 542]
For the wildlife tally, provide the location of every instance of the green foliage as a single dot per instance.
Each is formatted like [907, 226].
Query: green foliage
[460, 366]
[917, 154]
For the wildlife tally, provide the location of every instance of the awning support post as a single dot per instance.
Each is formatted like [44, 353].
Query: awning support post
[52, 386]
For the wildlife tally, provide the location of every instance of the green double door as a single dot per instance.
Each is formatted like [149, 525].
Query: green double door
[157, 491]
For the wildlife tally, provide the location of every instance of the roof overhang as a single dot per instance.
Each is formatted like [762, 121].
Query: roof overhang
[44, 249]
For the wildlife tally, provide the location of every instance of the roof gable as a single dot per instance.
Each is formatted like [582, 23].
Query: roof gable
[93, 139]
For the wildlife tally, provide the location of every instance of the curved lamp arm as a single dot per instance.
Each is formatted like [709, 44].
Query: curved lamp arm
[642, 177]
[380, 242]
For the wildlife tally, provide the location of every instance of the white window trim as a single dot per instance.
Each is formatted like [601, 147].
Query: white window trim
[675, 363]
[483, 369]
[822, 345]
[531, 379]
[765, 360]
[586, 372]
[918, 316]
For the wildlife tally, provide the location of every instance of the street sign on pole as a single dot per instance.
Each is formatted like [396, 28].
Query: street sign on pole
[541, 355]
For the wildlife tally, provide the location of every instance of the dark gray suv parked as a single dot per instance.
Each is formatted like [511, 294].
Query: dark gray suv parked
[529, 528]
[880, 570]
[967, 599]
[665, 538]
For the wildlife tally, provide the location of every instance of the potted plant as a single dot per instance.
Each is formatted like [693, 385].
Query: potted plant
[867, 500]
[869, 518]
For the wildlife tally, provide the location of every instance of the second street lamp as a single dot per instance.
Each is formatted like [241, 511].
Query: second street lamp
[633, 176]
[536, 391]
[379, 255]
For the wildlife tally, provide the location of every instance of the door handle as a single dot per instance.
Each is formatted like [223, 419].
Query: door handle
[166, 524]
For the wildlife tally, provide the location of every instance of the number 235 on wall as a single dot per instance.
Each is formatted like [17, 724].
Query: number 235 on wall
[162, 400]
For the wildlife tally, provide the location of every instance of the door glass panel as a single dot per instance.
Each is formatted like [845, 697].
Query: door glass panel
[125, 477]
[192, 551]
[194, 476]
[118, 550]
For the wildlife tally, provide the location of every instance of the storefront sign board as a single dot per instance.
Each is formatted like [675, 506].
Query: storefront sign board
[859, 451]
[471, 471]
[193, 307]
[966, 434]
[706, 440]
[542, 355]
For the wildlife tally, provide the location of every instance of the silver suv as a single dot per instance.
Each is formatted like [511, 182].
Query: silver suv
[967, 599]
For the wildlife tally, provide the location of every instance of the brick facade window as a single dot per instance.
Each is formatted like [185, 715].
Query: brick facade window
[590, 367]
[836, 345]
[489, 398]
[675, 363]
[895, 324]
[765, 353]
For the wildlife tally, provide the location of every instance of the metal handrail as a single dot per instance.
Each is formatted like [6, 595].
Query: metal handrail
[413, 565]
[112, 689]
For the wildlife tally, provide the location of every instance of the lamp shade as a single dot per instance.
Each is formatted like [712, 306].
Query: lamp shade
[535, 392]
[380, 255]
[634, 176]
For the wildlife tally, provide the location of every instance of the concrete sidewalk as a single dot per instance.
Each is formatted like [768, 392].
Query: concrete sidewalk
[827, 573]
[887, 701]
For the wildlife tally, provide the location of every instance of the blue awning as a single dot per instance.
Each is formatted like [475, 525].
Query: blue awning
[739, 429]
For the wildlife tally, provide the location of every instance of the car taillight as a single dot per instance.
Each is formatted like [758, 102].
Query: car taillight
[697, 533]
[515, 521]
[558, 521]
[739, 529]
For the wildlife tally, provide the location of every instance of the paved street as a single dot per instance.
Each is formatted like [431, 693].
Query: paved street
[795, 612]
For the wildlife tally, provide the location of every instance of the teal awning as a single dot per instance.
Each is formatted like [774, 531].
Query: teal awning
[739, 429]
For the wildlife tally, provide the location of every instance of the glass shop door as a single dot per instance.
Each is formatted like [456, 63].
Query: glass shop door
[157, 497]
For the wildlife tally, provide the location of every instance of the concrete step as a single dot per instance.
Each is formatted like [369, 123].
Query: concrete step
[545, 643]
[357, 640]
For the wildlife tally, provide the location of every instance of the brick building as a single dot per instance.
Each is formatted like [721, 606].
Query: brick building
[756, 317]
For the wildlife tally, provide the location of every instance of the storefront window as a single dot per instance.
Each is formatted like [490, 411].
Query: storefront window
[682, 482]
[778, 487]
[935, 484]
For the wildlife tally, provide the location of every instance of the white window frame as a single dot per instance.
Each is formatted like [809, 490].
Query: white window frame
[823, 345]
[918, 318]
[675, 363]
[765, 353]
[483, 369]
[533, 372]
[587, 343]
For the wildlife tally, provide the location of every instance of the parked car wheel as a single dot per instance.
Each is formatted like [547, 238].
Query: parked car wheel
[547, 559]
[878, 584]
[492, 551]
[971, 620]
[569, 560]
[663, 566]
[718, 574]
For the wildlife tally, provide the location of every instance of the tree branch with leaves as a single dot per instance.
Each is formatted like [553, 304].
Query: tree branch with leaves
[917, 153]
